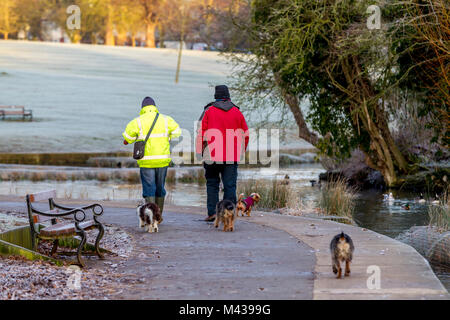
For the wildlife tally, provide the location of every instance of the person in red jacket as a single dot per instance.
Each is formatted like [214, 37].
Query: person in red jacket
[222, 139]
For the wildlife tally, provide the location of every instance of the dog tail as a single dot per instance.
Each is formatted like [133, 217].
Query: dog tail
[241, 197]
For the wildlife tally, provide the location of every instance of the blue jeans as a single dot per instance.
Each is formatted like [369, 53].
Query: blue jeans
[213, 173]
[153, 182]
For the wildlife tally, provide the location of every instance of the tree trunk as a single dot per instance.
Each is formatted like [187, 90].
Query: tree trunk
[294, 105]
[109, 37]
[6, 17]
[133, 40]
[150, 35]
[383, 154]
[303, 130]
[162, 34]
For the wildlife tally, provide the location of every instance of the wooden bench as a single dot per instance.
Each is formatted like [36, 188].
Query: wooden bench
[15, 111]
[62, 229]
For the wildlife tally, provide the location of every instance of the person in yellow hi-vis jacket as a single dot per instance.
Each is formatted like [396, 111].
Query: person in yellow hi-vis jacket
[153, 166]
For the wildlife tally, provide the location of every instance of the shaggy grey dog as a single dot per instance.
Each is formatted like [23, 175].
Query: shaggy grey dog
[341, 248]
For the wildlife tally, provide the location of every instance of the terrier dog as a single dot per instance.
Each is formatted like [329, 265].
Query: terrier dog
[149, 217]
[245, 205]
[341, 248]
[225, 213]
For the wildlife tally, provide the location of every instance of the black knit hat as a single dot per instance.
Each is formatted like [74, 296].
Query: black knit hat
[148, 102]
[222, 92]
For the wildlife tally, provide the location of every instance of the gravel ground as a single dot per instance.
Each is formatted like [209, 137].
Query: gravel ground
[29, 280]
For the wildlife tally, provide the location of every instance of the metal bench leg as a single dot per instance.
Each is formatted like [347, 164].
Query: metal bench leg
[54, 248]
[101, 232]
[82, 234]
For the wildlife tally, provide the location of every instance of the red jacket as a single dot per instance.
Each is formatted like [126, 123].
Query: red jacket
[222, 135]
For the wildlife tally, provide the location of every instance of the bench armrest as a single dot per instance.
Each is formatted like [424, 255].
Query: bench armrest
[97, 209]
[73, 212]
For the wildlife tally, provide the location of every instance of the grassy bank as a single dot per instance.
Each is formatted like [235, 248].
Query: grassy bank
[56, 159]
[439, 214]
[128, 175]
[274, 194]
[337, 198]
[125, 159]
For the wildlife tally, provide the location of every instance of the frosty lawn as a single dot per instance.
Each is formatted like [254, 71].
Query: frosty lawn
[83, 96]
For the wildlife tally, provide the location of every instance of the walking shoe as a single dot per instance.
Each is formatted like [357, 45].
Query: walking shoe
[211, 218]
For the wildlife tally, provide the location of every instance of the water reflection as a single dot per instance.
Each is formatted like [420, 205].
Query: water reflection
[389, 217]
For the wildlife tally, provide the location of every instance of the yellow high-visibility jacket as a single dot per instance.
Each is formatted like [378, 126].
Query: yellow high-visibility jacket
[157, 149]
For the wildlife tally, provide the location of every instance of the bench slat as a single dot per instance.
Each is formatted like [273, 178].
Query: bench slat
[63, 228]
[12, 107]
[38, 218]
[45, 195]
[13, 112]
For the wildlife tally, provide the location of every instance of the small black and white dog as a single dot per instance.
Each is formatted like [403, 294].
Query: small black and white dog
[149, 217]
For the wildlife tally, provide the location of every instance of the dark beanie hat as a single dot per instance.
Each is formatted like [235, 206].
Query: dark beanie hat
[222, 92]
[148, 102]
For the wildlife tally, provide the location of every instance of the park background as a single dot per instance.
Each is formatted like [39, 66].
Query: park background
[83, 86]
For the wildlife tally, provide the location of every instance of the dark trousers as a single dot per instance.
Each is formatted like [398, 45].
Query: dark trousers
[153, 182]
[213, 173]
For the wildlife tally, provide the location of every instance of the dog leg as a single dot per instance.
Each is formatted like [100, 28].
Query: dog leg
[347, 268]
[232, 223]
[229, 228]
[334, 264]
[216, 222]
[249, 211]
[337, 268]
[141, 223]
[339, 272]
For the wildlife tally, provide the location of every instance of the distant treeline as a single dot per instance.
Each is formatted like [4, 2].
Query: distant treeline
[125, 22]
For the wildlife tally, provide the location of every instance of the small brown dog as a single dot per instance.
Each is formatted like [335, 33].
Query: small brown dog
[245, 205]
[341, 248]
[225, 213]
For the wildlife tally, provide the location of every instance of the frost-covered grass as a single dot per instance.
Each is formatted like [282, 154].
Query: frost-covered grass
[82, 96]
[439, 214]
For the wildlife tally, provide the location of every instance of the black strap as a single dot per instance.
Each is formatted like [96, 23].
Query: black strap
[151, 128]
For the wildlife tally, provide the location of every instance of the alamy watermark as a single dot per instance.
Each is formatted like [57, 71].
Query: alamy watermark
[374, 20]
[374, 280]
[73, 21]
[263, 147]
[74, 280]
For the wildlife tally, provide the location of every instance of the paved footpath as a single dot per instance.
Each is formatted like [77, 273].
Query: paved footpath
[269, 256]
[190, 259]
